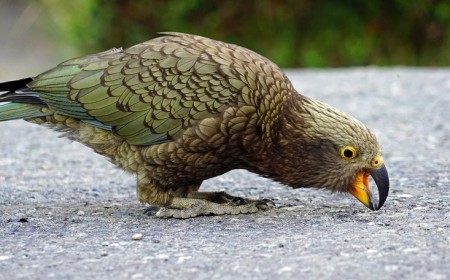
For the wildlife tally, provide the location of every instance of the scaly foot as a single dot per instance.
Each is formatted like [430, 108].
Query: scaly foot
[183, 208]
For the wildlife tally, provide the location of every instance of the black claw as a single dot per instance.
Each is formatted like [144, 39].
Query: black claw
[151, 210]
[239, 201]
[264, 204]
[268, 202]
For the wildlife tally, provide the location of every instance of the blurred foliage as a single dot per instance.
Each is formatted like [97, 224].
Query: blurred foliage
[292, 33]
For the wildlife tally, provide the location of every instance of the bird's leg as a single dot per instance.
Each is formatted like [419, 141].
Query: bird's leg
[210, 203]
[187, 202]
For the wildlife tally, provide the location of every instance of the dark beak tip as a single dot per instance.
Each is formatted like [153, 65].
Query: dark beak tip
[381, 178]
[373, 207]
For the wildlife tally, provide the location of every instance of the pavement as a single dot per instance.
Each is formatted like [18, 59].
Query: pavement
[67, 213]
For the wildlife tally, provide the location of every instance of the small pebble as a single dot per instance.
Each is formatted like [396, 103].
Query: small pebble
[81, 213]
[404, 195]
[112, 205]
[137, 236]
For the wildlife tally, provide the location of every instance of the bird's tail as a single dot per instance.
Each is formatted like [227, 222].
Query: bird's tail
[17, 101]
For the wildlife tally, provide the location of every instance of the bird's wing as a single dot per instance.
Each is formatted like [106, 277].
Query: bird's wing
[149, 92]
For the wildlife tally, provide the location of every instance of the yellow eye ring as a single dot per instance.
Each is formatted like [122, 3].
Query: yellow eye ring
[348, 152]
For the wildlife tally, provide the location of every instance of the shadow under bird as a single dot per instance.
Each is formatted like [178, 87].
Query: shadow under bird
[180, 108]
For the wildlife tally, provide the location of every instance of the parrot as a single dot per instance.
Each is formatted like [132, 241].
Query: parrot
[180, 108]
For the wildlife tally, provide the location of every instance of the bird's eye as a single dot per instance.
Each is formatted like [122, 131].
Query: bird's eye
[348, 152]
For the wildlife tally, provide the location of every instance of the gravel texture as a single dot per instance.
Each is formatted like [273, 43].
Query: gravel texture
[67, 213]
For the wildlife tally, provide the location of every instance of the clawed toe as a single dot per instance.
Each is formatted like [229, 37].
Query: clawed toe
[236, 200]
[184, 208]
[268, 202]
[198, 208]
[151, 210]
[264, 204]
[166, 213]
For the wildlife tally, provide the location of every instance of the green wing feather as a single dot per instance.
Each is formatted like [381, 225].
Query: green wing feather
[147, 93]
[14, 111]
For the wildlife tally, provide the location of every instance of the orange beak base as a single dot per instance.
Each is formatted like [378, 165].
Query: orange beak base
[361, 190]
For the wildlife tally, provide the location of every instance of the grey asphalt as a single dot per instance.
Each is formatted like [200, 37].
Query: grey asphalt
[67, 213]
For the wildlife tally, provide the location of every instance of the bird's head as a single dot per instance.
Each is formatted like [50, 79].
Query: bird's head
[333, 150]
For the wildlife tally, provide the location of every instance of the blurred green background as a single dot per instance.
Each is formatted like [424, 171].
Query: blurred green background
[292, 33]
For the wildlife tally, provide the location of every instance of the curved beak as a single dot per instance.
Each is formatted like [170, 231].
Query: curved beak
[361, 189]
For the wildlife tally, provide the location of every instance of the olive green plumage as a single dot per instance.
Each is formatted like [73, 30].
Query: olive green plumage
[180, 108]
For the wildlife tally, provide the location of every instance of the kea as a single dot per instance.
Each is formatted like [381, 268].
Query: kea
[180, 108]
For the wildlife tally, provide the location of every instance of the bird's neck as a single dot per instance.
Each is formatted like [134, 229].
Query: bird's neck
[283, 159]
